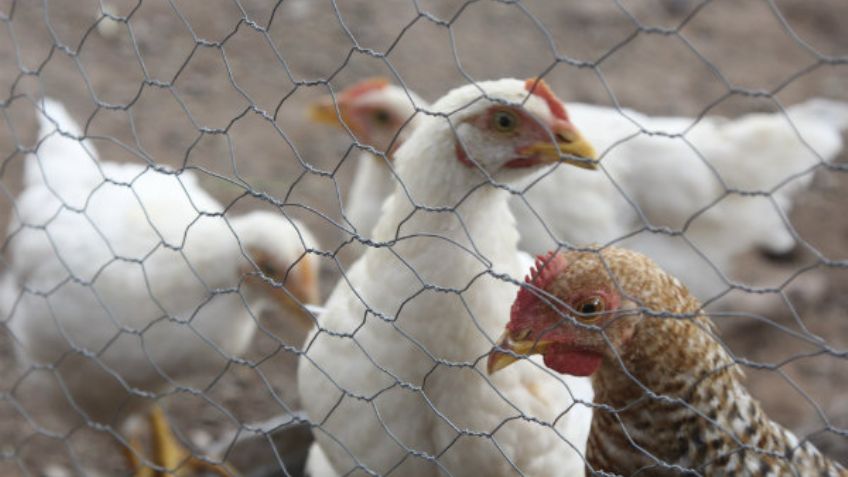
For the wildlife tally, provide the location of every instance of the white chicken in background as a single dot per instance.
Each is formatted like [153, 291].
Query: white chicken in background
[380, 115]
[683, 183]
[121, 276]
[676, 179]
[393, 376]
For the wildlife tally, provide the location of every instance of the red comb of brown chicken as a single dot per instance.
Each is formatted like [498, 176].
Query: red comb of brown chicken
[543, 271]
[672, 398]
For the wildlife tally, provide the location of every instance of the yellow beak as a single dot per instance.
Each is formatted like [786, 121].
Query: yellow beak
[577, 150]
[499, 359]
[323, 111]
[302, 284]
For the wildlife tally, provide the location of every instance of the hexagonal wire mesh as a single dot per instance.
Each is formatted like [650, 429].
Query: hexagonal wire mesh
[173, 212]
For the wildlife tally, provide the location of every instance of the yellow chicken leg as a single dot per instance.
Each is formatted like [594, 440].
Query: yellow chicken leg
[172, 456]
[139, 470]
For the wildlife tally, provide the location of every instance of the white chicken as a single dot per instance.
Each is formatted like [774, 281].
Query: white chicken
[393, 377]
[379, 115]
[127, 281]
[651, 179]
[683, 184]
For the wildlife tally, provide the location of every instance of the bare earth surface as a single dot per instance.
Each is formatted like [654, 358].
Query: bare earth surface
[191, 66]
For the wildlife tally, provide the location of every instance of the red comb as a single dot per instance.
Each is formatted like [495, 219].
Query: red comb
[544, 271]
[364, 86]
[546, 268]
[538, 87]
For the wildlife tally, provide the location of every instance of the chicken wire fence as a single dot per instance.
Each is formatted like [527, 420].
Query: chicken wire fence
[185, 244]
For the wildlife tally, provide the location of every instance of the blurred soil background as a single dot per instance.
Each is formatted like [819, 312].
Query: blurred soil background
[196, 84]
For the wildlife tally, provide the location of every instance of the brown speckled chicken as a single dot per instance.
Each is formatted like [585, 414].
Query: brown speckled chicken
[670, 398]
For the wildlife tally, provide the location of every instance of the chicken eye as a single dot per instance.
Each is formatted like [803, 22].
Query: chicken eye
[269, 270]
[591, 307]
[504, 121]
[382, 117]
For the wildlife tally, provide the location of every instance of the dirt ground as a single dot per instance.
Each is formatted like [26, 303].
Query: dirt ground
[191, 66]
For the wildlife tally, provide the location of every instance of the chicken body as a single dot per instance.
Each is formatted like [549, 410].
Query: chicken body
[391, 376]
[670, 398]
[130, 281]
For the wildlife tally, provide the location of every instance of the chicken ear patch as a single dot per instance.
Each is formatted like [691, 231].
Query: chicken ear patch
[538, 87]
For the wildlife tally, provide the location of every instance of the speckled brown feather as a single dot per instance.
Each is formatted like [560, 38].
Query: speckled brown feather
[701, 418]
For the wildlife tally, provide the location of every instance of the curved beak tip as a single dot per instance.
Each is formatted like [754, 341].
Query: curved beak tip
[583, 151]
[498, 361]
[571, 148]
[307, 287]
[508, 350]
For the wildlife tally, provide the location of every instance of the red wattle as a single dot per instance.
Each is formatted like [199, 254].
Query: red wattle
[572, 361]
